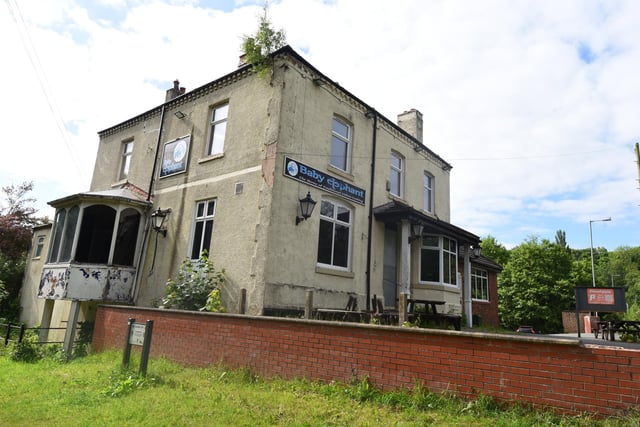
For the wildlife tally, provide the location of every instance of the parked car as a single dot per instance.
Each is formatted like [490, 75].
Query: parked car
[526, 330]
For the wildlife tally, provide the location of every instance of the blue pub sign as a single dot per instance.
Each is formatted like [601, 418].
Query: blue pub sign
[312, 176]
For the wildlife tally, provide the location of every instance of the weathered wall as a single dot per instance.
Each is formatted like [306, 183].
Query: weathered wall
[544, 371]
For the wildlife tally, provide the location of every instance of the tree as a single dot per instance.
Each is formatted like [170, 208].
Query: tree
[494, 250]
[535, 287]
[258, 48]
[561, 239]
[17, 218]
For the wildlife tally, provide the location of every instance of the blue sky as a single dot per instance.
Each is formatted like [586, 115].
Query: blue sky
[534, 103]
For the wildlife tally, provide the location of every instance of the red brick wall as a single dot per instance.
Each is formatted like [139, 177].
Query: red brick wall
[488, 310]
[544, 371]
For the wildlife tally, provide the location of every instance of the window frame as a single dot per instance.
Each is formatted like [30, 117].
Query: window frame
[126, 153]
[399, 171]
[213, 123]
[446, 271]
[39, 246]
[428, 204]
[334, 221]
[203, 219]
[339, 138]
[480, 282]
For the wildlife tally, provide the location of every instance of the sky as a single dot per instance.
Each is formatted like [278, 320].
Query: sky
[536, 104]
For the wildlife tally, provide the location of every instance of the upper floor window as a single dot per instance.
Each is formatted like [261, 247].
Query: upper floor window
[217, 130]
[340, 145]
[427, 188]
[479, 284]
[439, 260]
[37, 250]
[125, 161]
[202, 228]
[396, 175]
[334, 237]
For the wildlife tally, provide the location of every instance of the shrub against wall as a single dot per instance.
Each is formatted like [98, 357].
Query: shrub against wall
[196, 286]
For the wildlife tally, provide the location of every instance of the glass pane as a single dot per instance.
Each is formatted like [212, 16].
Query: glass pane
[340, 128]
[220, 113]
[96, 231]
[69, 233]
[394, 179]
[325, 238]
[326, 209]
[339, 153]
[341, 246]
[210, 208]
[208, 230]
[200, 210]
[218, 131]
[126, 237]
[57, 236]
[431, 241]
[197, 240]
[343, 214]
[429, 265]
[396, 162]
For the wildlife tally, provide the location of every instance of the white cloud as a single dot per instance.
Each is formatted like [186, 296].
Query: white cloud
[534, 103]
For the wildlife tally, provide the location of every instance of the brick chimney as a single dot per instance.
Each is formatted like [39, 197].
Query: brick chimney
[175, 91]
[411, 122]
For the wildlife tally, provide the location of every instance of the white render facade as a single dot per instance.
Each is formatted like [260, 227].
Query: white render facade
[231, 161]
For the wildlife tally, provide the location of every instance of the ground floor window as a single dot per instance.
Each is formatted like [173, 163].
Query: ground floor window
[334, 237]
[202, 228]
[439, 260]
[479, 284]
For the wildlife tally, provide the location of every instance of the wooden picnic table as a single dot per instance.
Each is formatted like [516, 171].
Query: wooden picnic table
[608, 329]
[441, 319]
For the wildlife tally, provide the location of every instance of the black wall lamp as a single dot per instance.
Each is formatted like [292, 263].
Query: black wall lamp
[416, 231]
[306, 208]
[158, 218]
[475, 250]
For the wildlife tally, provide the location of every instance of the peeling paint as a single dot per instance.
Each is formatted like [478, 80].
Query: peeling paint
[87, 283]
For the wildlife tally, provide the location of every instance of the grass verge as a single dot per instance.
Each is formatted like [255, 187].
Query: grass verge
[95, 390]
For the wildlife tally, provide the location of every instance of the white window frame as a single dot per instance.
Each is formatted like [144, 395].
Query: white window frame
[39, 246]
[335, 222]
[427, 191]
[443, 252]
[397, 170]
[217, 124]
[125, 159]
[480, 285]
[207, 217]
[338, 138]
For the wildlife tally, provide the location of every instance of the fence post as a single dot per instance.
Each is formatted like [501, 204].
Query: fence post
[243, 301]
[70, 334]
[8, 334]
[22, 328]
[308, 304]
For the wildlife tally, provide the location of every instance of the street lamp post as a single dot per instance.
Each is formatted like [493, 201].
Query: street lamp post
[593, 270]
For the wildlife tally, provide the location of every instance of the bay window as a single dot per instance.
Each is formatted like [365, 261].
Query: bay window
[439, 260]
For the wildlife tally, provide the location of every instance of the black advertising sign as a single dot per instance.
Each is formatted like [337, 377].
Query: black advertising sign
[312, 176]
[174, 156]
[604, 300]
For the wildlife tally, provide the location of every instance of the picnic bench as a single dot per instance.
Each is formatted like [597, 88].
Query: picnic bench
[349, 314]
[420, 308]
[607, 329]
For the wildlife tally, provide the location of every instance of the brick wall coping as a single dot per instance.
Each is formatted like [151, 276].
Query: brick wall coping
[568, 341]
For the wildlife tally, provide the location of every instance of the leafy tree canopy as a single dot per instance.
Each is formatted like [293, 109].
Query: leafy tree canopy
[494, 250]
[535, 287]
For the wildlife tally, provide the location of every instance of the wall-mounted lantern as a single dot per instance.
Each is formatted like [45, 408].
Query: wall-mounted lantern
[475, 251]
[158, 218]
[306, 208]
[416, 231]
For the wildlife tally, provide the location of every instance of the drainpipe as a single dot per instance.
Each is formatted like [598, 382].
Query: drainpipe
[143, 249]
[155, 159]
[371, 114]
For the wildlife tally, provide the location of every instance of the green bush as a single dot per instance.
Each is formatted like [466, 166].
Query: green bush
[194, 285]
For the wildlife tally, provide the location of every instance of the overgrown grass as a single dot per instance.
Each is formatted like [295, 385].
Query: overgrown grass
[95, 390]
